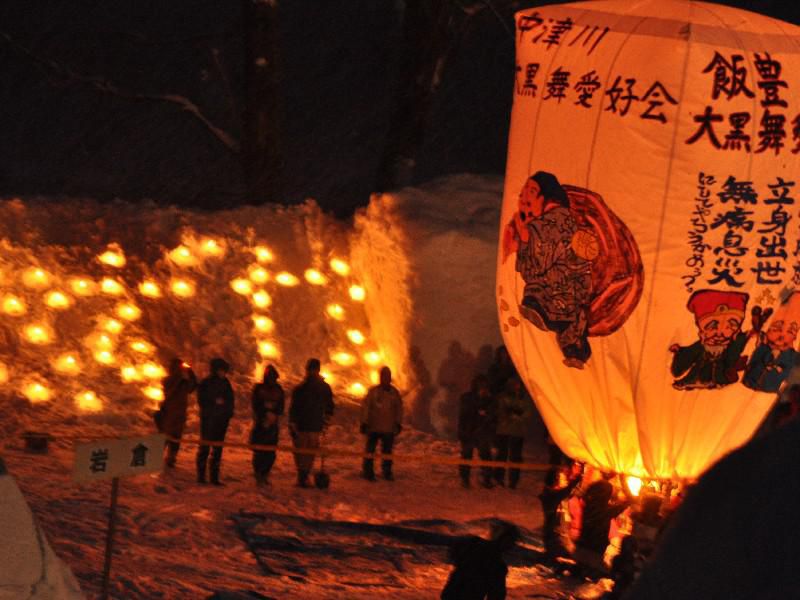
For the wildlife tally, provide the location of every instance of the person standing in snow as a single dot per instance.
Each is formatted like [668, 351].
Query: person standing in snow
[480, 569]
[176, 386]
[513, 411]
[500, 371]
[215, 397]
[553, 494]
[267, 402]
[381, 420]
[312, 407]
[477, 418]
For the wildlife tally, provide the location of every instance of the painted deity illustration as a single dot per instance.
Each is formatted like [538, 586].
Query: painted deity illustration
[715, 359]
[581, 266]
[775, 355]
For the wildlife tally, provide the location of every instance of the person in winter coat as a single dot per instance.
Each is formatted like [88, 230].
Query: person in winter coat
[477, 419]
[312, 407]
[177, 385]
[480, 569]
[267, 402]
[215, 397]
[381, 420]
[599, 508]
[551, 497]
[500, 371]
[514, 409]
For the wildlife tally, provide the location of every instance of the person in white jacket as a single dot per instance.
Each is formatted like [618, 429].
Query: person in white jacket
[381, 420]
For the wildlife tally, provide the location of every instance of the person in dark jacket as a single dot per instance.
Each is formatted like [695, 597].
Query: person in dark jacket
[500, 371]
[514, 410]
[312, 407]
[477, 418]
[267, 402]
[381, 420]
[551, 497]
[215, 397]
[599, 507]
[480, 569]
[177, 385]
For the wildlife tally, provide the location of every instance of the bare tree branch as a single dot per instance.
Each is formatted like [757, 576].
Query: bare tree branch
[104, 85]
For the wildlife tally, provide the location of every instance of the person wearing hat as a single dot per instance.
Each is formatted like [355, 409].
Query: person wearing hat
[267, 402]
[312, 407]
[714, 360]
[215, 397]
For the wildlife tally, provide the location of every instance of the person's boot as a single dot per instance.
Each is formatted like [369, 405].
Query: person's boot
[367, 470]
[201, 470]
[387, 473]
[302, 479]
[513, 479]
[463, 472]
[214, 473]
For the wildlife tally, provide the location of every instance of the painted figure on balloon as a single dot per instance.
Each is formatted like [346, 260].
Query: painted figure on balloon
[581, 267]
[716, 358]
[775, 355]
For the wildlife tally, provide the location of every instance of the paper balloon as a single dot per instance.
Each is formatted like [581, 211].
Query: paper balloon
[650, 234]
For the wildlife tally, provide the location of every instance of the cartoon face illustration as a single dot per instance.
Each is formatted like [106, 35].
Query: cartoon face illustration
[531, 202]
[718, 330]
[781, 334]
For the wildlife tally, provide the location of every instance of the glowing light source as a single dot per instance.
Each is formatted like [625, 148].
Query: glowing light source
[150, 289]
[57, 300]
[261, 299]
[99, 341]
[182, 288]
[112, 287]
[258, 274]
[3, 373]
[263, 254]
[87, 401]
[213, 248]
[67, 364]
[357, 293]
[35, 278]
[242, 286]
[326, 375]
[38, 333]
[113, 256]
[141, 347]
[182, 256]
[340, 267]
[14, 306]
[286, 279]
[335, 311]
[153, 392]
[314, 277]
[357, 389]
[372, 358]
[374, 377]
[268, 350]
[104, 357]
[634, 485]
[130, 373]
[35, 392]
[343, 358]
[152, 370]
[81, 286]
[128, 311]
[355, 336]
[263, 324]
[111, 325]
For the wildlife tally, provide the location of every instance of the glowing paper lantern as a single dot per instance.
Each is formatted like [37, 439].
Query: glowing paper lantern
[372, 358]
[268, 350]
[57, 300]
[355, 336]
[154, 393]
[105, 357]
[182, 256]
[212, 248]
[286, 279]
[130, 373]
[88, 401]
[343, 358]
[35, 278]
[340, 267]
[335, 311]
[129, 312]
[263, 254]
[182, 288]
[263, 324]
[357, 293]
[261, 299]
[357, 389]
[150, 289]
[14, 305]
[67, 364]
[258, 274]
[151, 370]
[111, 326]
[141, 347]
[652, 166]
[111, 287]
[81, 286]
[36, 392]
[113, 256]
[99, 341]
[314, 277]
[242, 286]
[38, 333]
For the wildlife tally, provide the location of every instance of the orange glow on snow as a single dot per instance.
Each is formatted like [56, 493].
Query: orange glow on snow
[262, 299]
[355, 336]
[105, 357]
[36, 392]
[14, 306]
[357, 293]
[268, 350]
[153, 392]
[212, 248]
[57, 300]
[112, 287]
[182, 256]
[38, 333]
[343, 358]
[150, 289]
[141, 347]
[242, 286]
[130, 373]
[82, 286]
[258, 274]
[129, 312]
[152, 370]
[286, 279]
[263, 254]
[314, 277]
[67, 364]
[113, 257]
[340, 267]
[35, 278]
[372, 358]
[111, 325]
[263, 324]
[335, 311]
[99, 341]
[182, 288]
[357, 389]
[88, 401]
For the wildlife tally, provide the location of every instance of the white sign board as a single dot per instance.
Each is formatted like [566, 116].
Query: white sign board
[104, 459]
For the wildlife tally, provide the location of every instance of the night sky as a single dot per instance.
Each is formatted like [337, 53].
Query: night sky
[339, 87]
